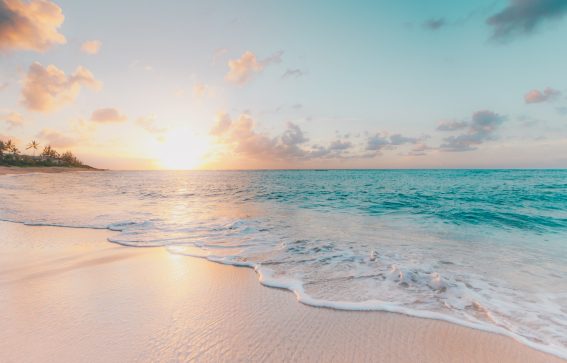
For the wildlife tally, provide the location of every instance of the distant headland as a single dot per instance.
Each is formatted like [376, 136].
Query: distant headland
[11, 156]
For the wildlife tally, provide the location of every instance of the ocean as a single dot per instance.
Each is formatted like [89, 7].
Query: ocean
[481, 248]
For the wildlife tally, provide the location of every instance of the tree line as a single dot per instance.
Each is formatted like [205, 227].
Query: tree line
[10, 154]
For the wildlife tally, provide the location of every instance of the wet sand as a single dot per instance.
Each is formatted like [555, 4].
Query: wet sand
[67, 295]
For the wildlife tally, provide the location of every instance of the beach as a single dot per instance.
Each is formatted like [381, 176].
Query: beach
[66, 294]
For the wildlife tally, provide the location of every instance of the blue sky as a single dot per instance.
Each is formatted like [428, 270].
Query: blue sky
[324, 84]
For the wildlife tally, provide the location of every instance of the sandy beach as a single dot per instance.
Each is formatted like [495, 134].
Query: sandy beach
[68, 295]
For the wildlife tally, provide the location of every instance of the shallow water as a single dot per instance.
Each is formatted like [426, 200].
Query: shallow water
[483, 248]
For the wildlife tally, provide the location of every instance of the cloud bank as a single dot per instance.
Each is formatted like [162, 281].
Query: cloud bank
[31, 25]
[47, 89]
[241, 137]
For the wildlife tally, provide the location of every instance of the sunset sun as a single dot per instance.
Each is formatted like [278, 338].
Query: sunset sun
[182, 150]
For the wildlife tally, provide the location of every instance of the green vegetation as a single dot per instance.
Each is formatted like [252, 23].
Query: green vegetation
[10, 155]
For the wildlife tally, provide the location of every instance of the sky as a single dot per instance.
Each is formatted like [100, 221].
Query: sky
[261, 84]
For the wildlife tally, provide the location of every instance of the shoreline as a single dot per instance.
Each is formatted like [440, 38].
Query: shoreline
[296, 288]
[12, 170]
[34, 251]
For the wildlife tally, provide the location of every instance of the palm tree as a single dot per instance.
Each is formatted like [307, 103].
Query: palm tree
[11, 147]
[2, 148]
[33, 145]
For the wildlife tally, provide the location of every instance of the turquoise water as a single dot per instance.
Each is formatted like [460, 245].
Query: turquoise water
[482, 248]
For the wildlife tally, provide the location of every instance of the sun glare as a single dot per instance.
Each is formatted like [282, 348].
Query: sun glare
[182, 150]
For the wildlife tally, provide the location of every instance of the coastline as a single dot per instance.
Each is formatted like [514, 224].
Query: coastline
[4, 170]
[74, 296]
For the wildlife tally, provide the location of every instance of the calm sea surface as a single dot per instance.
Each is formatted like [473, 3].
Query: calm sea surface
[482, 248]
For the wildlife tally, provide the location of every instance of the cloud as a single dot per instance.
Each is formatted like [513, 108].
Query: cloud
[56, 138]
[14, 119]
[398, 139]
[340, 145]
[149, 124]
[382, 141]
[140, 65]
[107, 115]
[522, 17]
[91, 46]
[48, 88]
[3, 86]
[293, 73]
[5, 138]
[536, 96]
[218, 54]
[434, 24]
[451, 125]
[201, 90]
[275, 58]
[84, 129]
[377, 142]
[293, 135]
[242, 70]
[481, 128]
[31, 25]
[241, 137]
[420, 149]
[222, 124]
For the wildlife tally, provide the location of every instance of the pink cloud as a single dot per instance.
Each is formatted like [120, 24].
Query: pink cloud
[242, 70]
[49, 88]
[536, 96]
[56, 138]
[91, 46]
[14, 119]
[107, 115]
[31, 25]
